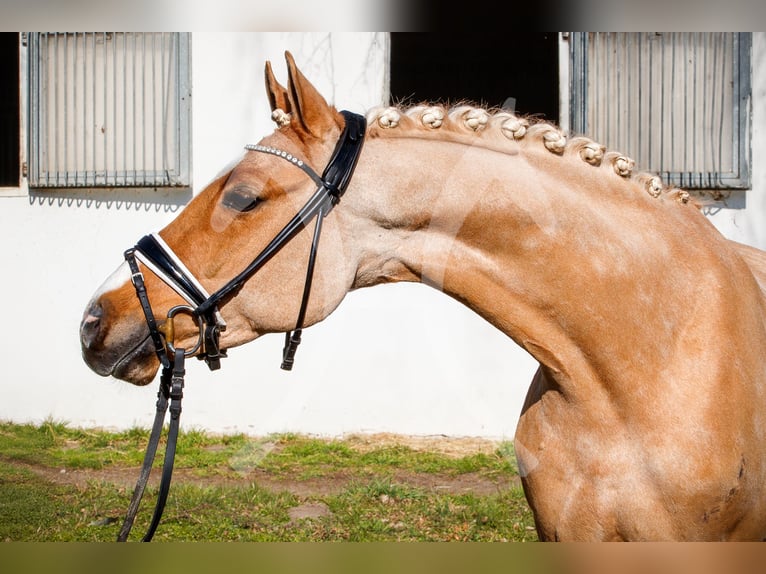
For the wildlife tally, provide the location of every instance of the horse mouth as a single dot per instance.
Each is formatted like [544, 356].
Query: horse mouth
[136, 366]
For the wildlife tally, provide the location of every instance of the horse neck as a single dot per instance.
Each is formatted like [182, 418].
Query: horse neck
[589, 273]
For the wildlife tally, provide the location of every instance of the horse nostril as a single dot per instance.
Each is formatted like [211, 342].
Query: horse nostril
[90, 328]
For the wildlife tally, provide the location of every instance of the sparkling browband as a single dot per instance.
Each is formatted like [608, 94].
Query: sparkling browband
[289, 157]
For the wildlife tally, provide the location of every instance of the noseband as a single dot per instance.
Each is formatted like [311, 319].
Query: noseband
[157, 256]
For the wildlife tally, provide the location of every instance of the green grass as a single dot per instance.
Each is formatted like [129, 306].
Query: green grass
[55, 444]
[374, 499]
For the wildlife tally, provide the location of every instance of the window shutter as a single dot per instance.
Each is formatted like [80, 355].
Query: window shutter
[109, 110]
[677, 103]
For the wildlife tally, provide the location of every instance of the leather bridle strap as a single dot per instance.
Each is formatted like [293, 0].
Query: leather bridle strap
[332, 185]
[293, 338]
[156, 255]
[137, 278]
[176, 394]
[146, 467]
[171, 387]
[160, 258]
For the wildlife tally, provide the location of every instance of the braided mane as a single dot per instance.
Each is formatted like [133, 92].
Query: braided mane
[500, 130]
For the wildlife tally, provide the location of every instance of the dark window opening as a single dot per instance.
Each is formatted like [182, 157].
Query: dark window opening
[10, 112]
[519, 72]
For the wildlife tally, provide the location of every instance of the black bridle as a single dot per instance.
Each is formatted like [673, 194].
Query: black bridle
[157, 256]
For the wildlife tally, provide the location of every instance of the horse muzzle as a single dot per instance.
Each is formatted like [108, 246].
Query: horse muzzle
[122, 350]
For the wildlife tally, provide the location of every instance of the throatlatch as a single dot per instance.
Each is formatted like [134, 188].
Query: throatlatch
[157, 256]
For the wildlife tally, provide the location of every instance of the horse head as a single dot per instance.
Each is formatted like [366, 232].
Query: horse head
[217, 235]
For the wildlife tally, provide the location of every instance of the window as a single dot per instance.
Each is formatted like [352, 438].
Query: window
[10, 111]
[516, 71]
[109, 110]
[677, 103]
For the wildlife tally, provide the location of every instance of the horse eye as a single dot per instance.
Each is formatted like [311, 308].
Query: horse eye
[239, 201]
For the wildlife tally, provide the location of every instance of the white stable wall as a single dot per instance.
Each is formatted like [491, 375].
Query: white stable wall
[402, 358]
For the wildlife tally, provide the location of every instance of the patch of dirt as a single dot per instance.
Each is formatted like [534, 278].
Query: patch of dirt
[313, 487]
[453, 447]
[308, 511]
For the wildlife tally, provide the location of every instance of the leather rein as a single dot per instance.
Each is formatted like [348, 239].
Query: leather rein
[157, 256]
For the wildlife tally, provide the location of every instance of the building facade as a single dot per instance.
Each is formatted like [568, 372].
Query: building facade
[106, 136]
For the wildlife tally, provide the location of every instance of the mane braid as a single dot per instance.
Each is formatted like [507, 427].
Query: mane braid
[496, 128]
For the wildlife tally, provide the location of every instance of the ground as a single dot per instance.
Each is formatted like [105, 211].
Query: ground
[279, 487]
[330, 484]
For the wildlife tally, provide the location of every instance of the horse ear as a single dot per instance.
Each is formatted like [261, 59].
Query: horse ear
[276, 92]
[309, 108]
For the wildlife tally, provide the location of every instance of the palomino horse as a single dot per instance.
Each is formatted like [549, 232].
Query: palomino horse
[647, 417]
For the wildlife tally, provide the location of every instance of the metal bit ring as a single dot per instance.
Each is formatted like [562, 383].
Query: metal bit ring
[168, 329]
